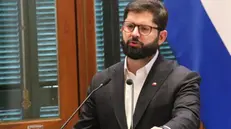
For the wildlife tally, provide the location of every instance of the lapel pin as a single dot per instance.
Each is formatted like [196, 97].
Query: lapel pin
[154, 84]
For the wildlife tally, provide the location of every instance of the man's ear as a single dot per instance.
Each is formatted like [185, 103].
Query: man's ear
[162, 36]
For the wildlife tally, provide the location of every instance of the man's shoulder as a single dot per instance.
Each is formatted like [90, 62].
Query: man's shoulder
[110, 69]
[178, 68]
[181, 72]
[100, 76]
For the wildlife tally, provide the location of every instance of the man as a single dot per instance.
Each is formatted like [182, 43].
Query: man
[166, 95]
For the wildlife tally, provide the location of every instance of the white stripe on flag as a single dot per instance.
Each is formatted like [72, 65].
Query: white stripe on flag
[219, 11]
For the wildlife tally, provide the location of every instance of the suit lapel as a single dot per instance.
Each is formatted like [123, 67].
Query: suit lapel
[118, 95]
[158, 73]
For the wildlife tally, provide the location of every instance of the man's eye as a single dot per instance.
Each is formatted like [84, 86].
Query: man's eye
[144, 28]
[130, 26]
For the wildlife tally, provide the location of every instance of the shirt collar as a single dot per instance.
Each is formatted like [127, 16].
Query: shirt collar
[147, 67]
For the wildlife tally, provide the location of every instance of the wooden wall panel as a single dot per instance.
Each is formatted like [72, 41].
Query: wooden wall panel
[86, 44]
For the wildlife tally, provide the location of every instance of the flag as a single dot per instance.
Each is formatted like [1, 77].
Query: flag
[198, 34]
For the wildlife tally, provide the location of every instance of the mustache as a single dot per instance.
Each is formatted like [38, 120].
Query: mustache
[135, 41]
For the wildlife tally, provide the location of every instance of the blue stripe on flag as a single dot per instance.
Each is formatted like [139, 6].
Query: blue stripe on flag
[197, 45]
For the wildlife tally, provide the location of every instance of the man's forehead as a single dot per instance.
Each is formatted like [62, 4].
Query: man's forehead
[143, 17]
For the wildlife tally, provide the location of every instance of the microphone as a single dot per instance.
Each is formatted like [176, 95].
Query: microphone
[130, 82]
[105, 82]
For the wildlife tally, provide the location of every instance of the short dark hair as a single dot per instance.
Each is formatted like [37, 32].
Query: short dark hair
[156, 7]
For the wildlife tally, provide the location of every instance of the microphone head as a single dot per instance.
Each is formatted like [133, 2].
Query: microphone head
[129, 82]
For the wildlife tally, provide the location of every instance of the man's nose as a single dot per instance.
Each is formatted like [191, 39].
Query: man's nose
[135, 32]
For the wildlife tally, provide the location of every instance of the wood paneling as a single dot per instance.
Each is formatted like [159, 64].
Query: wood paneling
[86, 44]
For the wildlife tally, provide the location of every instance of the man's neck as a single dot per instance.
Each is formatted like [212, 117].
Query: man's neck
[134, 65]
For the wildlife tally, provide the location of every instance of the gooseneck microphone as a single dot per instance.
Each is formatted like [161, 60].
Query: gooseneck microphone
[105, 82]
[130, 82]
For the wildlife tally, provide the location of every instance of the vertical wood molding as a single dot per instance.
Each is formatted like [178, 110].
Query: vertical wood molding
[86, 44]
[67, 50]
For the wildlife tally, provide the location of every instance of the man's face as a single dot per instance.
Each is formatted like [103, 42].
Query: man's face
[140, 41]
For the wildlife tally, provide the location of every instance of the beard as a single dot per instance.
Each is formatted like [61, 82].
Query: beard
[141, 52]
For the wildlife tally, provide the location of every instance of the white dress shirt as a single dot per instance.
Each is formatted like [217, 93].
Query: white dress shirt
[138, 81]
